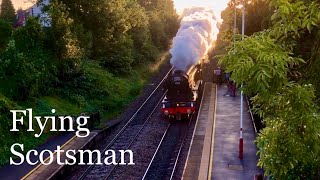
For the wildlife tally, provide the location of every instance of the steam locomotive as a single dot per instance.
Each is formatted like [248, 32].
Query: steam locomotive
[183, 91]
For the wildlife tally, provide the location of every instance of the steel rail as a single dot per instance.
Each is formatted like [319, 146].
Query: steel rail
[177, 155]
[86, 172]
[180, 148]
[135, 137]
[156, 152]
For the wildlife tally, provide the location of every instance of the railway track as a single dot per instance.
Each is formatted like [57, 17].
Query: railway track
[166, 157]
[126, 137]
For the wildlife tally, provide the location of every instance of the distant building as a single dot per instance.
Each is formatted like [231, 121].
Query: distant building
[34, 11]
[21, 19]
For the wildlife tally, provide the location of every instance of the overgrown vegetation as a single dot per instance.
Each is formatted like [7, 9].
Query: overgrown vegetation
[278, 64]
[94, 56]
[7, 12]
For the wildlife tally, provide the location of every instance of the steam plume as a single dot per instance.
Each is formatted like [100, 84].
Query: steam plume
[195, 37]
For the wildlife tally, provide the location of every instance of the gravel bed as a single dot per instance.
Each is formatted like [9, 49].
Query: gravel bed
[127, 114]
[184, 151]
[143, 149]
[124, 139]
[123, 142]
[162, 166]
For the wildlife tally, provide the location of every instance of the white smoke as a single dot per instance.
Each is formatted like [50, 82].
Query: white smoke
[195, 37]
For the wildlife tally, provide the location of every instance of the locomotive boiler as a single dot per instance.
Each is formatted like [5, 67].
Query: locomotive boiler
[183, 89]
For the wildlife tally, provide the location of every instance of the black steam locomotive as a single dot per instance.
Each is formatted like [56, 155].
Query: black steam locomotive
[183, 88]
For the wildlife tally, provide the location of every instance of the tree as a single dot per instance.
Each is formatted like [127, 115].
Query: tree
[65, 44]
[7, 11]
[157, 29]
[257, 17]
[144, 49]
[289, 145]
[29, 37]
[25, 52]
[268, 64]
[5, 34]
[120, 33]
[163, 21]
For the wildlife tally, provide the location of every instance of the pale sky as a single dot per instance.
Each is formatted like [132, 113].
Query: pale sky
[24, 4]
[217, 5]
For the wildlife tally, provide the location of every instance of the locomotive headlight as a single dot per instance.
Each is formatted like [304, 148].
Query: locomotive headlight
[166, 112]
[189, 111]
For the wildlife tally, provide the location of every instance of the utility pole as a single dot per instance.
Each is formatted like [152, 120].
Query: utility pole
[235, 21]
[241, 103]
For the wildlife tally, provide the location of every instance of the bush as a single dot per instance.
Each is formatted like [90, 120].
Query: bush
[5, 34]
[118, 59]
[29, 37]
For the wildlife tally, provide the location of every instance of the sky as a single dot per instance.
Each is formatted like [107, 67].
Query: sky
[217, 5]
[24, 4]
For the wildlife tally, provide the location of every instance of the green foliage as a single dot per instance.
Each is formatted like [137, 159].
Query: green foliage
[259, 63]
[163, 21]
[85, 39]
[257, 18]
[122, 34]
[8, 138]
[5, 106]
[65, 42]
[23, 75]
[289, 145]
[7, 11]
[145, 50]
[5, 34]
[274, 66]
[95, 90]
[120, 57]
[65, 45]
[25, 66]
[89, 59]
[301, 34]
[158, 34]
[29, 37]
[291, 17]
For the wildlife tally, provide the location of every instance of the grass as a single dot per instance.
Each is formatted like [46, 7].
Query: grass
[107, 94]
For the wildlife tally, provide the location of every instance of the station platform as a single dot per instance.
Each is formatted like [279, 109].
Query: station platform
[214, 150]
